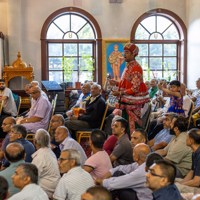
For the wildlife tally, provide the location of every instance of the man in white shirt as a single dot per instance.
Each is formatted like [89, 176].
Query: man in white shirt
[9, 106]
[25, 178]
[66, 142]
[75, 180]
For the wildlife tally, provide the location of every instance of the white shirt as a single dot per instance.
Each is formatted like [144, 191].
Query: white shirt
[70, 143]
[73, 184]
[49, 174]
[9, 104]
[30, 192]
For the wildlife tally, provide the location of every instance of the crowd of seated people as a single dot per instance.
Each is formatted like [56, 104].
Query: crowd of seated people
[162, 166]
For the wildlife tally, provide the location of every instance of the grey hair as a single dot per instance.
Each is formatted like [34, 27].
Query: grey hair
[74, 154]
[42, 138]
[97, 85]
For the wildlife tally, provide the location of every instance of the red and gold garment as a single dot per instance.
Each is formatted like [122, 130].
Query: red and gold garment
[136, 93]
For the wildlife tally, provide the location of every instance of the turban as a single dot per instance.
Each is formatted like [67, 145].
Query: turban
[132, 48]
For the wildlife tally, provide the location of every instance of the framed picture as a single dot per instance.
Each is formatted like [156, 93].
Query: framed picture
[113, 58]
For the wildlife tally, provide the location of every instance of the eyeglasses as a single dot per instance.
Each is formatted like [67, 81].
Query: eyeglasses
[33, 92]
[62, 159]
[154, 174]
[4, 124]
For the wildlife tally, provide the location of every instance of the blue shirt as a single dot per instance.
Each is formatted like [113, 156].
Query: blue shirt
[196, 162]
[163, 136]
[169, 192]
[29, 148]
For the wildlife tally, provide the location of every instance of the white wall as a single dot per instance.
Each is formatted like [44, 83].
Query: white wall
[26, 18]
[193, 42]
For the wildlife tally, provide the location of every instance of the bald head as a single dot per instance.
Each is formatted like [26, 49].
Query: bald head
[140, 152]
[35, 92]
[34, 83]
[14, 152]
[56, 121]
[61, 133]
[8, 122]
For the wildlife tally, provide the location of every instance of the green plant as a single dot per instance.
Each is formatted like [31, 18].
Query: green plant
[68, 66]
[88, 66]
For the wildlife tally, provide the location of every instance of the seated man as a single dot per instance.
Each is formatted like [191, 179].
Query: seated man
[177, 151]
[95, 107]
[192, 180]
[66, 142]
[15, 155]
[160, 179]
[75, 180]
[82, 98]
[46, 162]
[122, 152]
[131, 182]
[4, 188]
[56, 121]
[163, 137]
[18, 134]
[154, 88]
[9, 106]
[36, 84]
[96, 193]
[25, 178]
[92, 165]
[39, 114]
[8, 122]
[138, 136]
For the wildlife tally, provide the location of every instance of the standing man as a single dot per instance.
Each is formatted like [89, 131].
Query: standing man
[122, 152]
[132, 92]
[160, 178]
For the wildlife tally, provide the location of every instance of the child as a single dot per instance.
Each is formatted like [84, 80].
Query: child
[176, 98]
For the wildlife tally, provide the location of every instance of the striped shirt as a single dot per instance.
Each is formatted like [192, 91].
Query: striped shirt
[73, 184]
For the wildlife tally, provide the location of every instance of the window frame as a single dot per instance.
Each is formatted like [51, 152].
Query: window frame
[96, 47]
[182, 42]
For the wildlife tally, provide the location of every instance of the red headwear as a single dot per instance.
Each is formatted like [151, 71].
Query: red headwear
[132, 48]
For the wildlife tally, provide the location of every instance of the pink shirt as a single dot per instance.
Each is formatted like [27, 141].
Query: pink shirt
[101, 164]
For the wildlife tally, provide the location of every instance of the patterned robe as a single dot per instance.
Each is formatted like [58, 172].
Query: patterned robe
[136, 94]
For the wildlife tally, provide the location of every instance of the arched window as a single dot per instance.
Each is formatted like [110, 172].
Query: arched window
[160, 35]
[69, 46]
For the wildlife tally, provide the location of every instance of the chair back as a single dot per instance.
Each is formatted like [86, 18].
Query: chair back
[146, 117]
[53, 103]
[104, 116]
[1, 106]
[30, 137]
[190, 114]
[17, 100]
